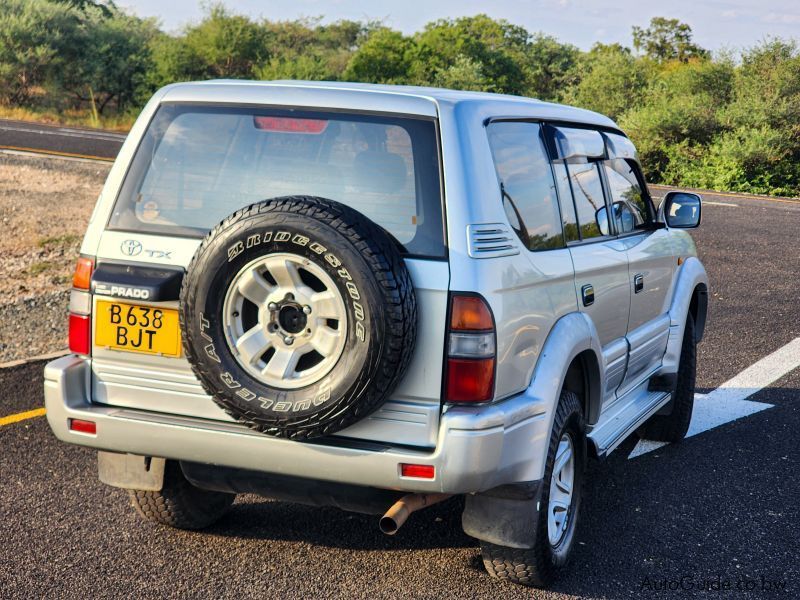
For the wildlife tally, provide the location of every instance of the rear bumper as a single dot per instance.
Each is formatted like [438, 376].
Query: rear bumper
[478, 448]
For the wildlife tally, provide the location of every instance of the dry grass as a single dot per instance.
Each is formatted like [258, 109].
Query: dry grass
[44, 208]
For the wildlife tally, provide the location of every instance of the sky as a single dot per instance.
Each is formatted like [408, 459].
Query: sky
[717, 24]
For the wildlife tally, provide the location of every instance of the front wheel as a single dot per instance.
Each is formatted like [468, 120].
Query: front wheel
[560, 503]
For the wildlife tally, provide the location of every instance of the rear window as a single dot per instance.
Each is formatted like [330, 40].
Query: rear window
[197, 164]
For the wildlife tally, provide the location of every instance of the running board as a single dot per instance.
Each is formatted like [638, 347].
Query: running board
[612, 429]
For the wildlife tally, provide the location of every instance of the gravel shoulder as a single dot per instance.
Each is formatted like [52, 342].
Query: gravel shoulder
[45, 205]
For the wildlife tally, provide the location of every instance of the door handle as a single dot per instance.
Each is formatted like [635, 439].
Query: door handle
[587, 294]
[638, 283]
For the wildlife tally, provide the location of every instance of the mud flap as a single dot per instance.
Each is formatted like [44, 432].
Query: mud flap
[506, 515]
[131, 471]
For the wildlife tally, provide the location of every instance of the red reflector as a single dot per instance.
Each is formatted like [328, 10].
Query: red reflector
[470, 313]
[419, 471]
[80, 330]
[290, 125]
[469, 380]
[82, 426]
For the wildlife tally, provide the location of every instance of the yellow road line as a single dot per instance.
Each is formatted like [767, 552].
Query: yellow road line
[30, 414]
[55, 152]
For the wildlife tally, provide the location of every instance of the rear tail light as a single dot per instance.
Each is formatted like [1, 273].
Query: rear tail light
[80, 334]
[471, 350]
[80, 308]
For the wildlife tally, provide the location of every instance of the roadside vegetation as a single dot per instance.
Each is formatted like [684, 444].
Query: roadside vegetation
[724, 120]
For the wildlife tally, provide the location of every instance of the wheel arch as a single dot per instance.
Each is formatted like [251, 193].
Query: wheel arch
[698, 308]
[690, 297]
[583, 378]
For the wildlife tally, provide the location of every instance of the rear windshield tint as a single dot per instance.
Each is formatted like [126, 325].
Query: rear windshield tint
[196, 164]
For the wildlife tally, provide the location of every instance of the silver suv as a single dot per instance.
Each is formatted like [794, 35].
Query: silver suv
[376, 297]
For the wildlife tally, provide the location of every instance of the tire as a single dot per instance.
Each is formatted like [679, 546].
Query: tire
[672, 427]
[540, 565]
[261, 339]
[179, 504]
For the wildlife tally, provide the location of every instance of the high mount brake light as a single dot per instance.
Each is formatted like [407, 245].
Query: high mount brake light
[290, 124]
[471, 348]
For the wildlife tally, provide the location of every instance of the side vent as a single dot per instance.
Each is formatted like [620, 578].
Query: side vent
[490, 240]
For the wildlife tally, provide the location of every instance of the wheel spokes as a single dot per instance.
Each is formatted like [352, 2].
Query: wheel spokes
[562, 481]
[285, 273]
[254, 287]
[325, 305]
[563, 456]
[282, 364]
[252, 345]
[564, 484]
[325, 341]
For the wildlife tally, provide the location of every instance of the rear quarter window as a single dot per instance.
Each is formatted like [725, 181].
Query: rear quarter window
[527, 184]
[197, 164]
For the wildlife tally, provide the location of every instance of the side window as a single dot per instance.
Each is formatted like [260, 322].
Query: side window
[630, 206]
[526, 180]
[568, 217]
[587, 189]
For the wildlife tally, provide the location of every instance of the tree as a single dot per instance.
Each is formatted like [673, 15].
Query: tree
[496, 45]
[667, 39]
[33, 36]
[385, 57]
[609, 81]
[107, 7]
[222, 45]
[548, 64]
[307, 49]
[463, 74]
[109, 60]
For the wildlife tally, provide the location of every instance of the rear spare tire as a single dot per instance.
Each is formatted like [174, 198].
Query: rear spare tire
[298, 316]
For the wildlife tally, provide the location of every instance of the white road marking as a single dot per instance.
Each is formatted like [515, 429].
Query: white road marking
[728, 402]
[712, 203]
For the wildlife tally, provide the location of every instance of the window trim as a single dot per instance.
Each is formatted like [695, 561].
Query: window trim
[611, 226]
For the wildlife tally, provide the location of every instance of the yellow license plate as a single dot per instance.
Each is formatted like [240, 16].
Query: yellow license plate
[137, 328]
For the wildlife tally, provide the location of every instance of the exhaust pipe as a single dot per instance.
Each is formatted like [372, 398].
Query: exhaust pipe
[402, 509]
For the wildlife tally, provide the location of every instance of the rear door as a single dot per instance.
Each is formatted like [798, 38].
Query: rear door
[600, 260]
[198, 163]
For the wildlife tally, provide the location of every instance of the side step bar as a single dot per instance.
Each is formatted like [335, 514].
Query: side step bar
[613, 429]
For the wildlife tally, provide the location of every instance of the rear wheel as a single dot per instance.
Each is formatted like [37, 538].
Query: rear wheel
[560, 504]
[180, 504]
[672, 427]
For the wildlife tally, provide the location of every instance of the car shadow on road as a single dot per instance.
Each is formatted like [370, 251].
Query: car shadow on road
[254, 517]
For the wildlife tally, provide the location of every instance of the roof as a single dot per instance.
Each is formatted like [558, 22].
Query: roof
[365, 96]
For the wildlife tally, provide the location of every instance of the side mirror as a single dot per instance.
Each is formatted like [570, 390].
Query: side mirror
[623, 217]
[682, 210]
[601, 217]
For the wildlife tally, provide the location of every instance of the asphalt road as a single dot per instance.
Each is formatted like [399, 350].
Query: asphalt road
[719, 509]
[75, 142]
